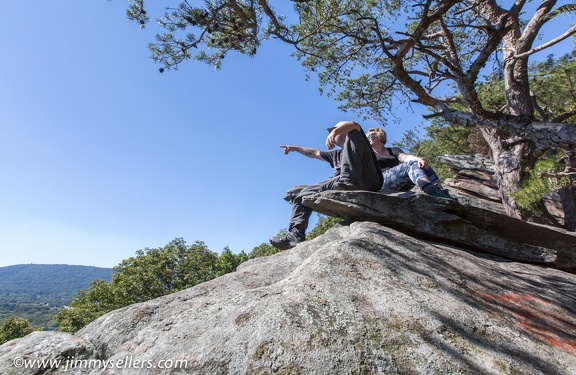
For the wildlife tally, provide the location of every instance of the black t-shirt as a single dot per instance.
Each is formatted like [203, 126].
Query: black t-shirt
[333, 157]
[386, 162]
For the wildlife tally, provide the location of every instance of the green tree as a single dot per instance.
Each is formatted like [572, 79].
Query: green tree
[553, 85]
[160, 271]
[544, 178]
[554, 95]
[265, 249]
[14, 327]
[152, 273]
[100, 298]
[324, 223]
[369, 53]
[553, 90]
[228, 261]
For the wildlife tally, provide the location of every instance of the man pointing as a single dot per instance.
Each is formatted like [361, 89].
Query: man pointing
[355, 168]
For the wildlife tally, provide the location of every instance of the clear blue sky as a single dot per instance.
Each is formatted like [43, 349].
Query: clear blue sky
[101, 155]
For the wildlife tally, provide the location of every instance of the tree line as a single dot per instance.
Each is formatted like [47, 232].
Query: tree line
[35, 283]
[37, 291]
[151, 273]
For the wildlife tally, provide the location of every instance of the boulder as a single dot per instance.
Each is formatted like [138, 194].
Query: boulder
[451, 222]
[478, 188]
[360, 299]
[474, 175]
[467, 162]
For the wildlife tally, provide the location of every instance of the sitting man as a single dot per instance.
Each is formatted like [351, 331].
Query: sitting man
[355, 168]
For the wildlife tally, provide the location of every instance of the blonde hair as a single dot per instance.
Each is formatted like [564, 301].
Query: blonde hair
[381, 134]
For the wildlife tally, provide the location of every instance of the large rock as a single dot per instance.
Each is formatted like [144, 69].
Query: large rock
[479, 188]
[467, 162]
[474, 174]
[451, 222]
[361, 299]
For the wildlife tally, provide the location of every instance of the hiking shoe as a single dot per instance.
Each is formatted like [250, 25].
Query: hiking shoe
[286, 242]
[345, 186]
[435, 191]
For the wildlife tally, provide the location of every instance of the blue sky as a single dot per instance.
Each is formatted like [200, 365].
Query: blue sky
[101, 155]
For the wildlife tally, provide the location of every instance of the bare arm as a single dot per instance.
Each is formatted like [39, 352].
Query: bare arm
[341, 128]
[310, 152]
[403, 158]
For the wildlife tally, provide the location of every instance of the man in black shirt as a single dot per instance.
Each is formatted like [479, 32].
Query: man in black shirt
[355, 168]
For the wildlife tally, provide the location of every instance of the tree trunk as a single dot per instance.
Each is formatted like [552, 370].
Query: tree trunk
[512, 160]
[510, 164]
[568, 199]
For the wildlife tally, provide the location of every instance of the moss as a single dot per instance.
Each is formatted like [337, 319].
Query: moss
[263, 362]
[261, 351]
[242, 319]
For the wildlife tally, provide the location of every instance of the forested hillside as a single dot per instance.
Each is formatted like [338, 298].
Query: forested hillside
[38, 291]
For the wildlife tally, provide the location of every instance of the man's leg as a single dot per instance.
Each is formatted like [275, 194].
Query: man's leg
[300, 216]
[358, 166]
[300, 213]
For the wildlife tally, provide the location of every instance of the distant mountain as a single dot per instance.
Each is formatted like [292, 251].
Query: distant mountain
[38, 291]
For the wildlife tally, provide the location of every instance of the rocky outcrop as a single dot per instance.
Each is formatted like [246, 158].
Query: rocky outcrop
[474, 174]
[470, 225]
[415, 284]
[360, 299]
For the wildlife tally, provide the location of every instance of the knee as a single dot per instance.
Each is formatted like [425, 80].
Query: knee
[413, 164]
[412, 167]
[308, 190]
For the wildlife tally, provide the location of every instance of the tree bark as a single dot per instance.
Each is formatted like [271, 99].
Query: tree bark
[568, 199]
[511, 163]
[512, 160]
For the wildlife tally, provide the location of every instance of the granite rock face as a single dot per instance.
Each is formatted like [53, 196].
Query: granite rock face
[469, 225]
[360, 299]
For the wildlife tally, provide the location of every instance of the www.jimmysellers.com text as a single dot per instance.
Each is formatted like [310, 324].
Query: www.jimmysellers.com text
[70, 363]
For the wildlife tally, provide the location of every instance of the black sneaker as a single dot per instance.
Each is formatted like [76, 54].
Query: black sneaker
[286, 242]
[435, 191]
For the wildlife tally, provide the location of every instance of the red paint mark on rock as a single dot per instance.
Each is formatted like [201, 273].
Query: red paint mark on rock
[547, 321]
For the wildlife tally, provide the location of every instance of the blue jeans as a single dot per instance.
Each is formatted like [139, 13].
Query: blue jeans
[406, 175]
